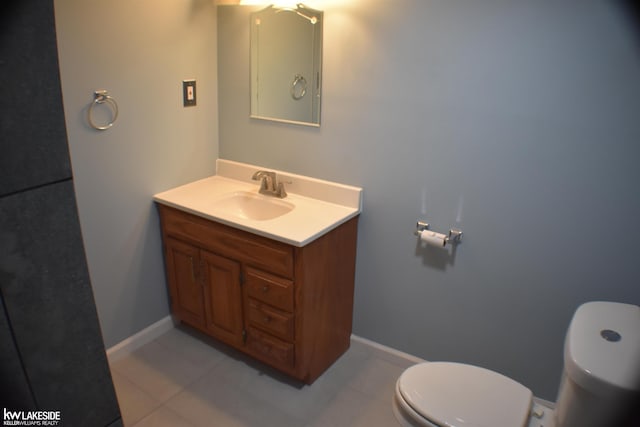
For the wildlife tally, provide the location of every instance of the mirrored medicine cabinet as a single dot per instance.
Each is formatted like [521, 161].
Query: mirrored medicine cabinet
[286, 65]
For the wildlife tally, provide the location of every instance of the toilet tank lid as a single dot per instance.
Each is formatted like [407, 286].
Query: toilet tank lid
[459, 395]
[602, 348]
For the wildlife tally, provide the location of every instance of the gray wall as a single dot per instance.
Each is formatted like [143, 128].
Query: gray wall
[515, 120]
[140, 51]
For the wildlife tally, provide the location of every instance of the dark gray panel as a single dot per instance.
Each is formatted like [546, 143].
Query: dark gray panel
[14, 388]
[49, 302]
[117, 423]
[34, 141]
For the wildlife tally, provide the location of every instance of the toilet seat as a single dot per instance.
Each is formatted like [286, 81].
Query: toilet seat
[458, 395]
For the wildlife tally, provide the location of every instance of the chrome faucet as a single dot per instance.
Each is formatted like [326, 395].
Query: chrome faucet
[269, 184]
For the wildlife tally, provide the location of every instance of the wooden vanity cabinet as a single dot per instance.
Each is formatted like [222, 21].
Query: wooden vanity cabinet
[287, 306]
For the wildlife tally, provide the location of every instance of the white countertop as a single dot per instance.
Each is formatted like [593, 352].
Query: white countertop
[319, 206]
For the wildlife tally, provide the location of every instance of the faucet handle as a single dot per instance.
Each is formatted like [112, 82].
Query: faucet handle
[281, 192]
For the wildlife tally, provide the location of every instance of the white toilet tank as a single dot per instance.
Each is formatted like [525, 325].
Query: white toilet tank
[601, 365]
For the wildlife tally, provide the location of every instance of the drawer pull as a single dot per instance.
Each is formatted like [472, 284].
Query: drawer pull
[270, 289]
[271, 349]
[264, 348]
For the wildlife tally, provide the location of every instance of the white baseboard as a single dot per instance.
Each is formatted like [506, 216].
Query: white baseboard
[409, 358]
[543, 402]
[148, 334]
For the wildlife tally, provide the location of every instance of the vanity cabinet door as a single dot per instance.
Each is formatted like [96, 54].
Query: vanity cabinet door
[185, 287]
[222, 297]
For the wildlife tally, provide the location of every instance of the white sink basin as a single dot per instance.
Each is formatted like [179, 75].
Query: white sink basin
[231, 197]
[253, 206]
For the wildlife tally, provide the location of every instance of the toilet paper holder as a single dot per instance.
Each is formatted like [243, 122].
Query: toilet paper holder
[455, 234]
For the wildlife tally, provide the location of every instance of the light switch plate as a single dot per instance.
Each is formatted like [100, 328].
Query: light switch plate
[188, 93]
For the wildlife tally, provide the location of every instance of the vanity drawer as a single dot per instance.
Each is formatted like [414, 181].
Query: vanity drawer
[271, 320]
[270, 289]
[270, 348]
[273, 256]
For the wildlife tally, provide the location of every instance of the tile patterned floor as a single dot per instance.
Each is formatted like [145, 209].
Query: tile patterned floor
[183, 379]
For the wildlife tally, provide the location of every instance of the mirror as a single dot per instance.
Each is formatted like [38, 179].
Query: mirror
[286, 65]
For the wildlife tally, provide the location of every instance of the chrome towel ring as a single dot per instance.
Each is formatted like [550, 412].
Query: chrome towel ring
[101, 96]
[298, 87]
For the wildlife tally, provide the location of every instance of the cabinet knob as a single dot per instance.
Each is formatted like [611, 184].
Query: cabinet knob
[265, 288]
[267, 319]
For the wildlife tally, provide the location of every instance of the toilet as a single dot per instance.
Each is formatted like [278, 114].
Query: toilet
[601, 376]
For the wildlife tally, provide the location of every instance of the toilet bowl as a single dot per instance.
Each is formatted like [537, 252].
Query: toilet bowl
[601, 376]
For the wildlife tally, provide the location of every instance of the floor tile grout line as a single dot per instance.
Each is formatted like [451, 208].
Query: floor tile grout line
[157, 404]
[140, 389]
[162, 404]
[166, 408]
[181, 388]
[373, 398]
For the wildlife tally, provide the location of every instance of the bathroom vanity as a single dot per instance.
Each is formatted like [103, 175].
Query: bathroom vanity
[280, 288]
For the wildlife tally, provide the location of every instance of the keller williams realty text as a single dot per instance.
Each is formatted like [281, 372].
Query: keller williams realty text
[30, 418]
